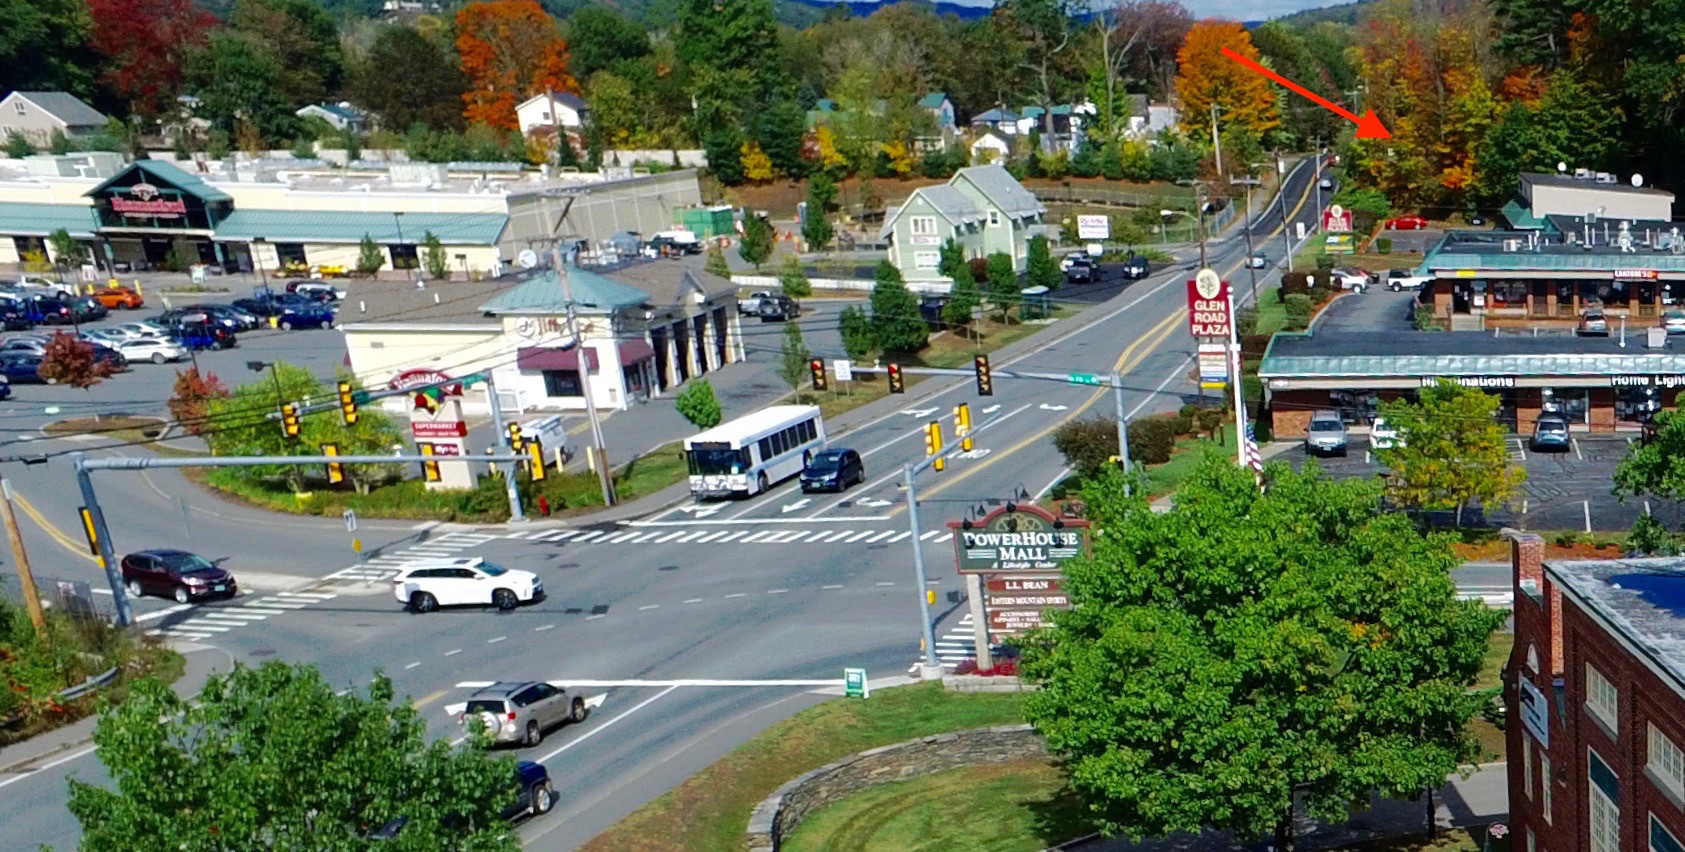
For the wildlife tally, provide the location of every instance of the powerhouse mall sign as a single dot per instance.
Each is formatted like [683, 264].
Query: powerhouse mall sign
[1018, 538]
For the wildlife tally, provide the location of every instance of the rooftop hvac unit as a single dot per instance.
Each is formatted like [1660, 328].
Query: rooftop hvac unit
[1582, 174]
[1512, 245]
[1605, 177]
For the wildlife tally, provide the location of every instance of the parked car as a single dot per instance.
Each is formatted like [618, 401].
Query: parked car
[1349, 279]
[426, 586]
[673, 242]
[1404, 279]
[158, 350]
[779, 308]
[119, 298]
[1136, 267]
[21, 368]
[1593, 324]
[197, 332]
[1406, 223]
[1383, 435]
[88, 309]
[141, 328]
[176, 574]
[51, 311]
[1674, 321]
[1327, 183]
[1073, 259]
[520, 712]
[834, 469]
[176, 316]
[1081, 272]
[1550, 434]
[751, 304]
[1326, 435]
[36, 285]
[319, 290]
[535, 796]
[230, 317]
[16, 314]
[289, 311]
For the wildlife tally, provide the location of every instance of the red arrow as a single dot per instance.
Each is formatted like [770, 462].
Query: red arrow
[1368, 127]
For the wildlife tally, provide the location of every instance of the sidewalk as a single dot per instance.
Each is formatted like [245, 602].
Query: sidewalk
[65, 744]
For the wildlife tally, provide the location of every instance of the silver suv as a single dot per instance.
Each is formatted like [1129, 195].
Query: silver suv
[521, 712]
[1326, 435]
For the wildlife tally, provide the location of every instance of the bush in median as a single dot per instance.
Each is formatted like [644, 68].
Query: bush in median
[1151, 440]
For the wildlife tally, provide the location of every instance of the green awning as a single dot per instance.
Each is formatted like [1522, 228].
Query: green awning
[1521, 217]
[542, 294]
[24, 219]
[294, 226]
[168, 173]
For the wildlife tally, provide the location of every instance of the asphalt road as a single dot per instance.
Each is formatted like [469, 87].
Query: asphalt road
[754, 592]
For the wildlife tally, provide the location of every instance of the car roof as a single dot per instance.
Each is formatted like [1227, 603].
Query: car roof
[165, 551]
[502, 689]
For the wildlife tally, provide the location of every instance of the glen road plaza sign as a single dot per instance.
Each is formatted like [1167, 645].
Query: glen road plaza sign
[1337, 220]
[1018, 538]
[1208, 305]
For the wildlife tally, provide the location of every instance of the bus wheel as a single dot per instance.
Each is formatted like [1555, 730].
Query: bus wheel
[763, 483]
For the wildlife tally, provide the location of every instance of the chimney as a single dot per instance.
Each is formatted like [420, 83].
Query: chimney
[1527, 560]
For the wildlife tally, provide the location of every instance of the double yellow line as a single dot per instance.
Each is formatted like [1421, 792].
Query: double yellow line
[68, 543]
[1125, 363]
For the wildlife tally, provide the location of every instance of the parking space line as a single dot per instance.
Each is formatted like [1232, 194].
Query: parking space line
[543, 627]
[1575, 442]
[453, 652]
[496, 639]
[832, 586]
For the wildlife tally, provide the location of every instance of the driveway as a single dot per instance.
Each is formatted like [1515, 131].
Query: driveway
[1371, 310]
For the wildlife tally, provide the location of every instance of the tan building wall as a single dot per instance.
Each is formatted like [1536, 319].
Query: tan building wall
[379, 352]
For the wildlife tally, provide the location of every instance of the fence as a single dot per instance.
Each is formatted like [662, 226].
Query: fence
[1090, 193]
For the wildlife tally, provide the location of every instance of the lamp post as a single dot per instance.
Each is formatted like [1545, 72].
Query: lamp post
[1246, 225]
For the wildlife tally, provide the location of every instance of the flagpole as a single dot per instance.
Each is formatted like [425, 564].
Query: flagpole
[1241, 453]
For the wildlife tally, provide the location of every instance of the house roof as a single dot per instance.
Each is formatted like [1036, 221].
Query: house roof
[1642, 600]
[1519, 216]
[65, 107]
[992, 133]
[668, 281]
[171, 174]
[392, 302]
[1002, 190]
[948, 202]
[825, 105]
[994, 116]
[344, 113]
[933, 100]
[567, 99]
[542, 294]
[38, 220]
[1031, 112]
[476, 229]
[1138, 106]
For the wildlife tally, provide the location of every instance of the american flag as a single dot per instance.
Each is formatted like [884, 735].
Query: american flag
[1254, 458]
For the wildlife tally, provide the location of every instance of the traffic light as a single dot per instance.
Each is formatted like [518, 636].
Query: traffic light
[535, 468]
[933, 442]
[516, 443]
[962, 425]
[429, 469]
[347, 404]
[336, 470]
[896, 385]
[289, 420]
[818, 369]
[426, 401]
[985, 383]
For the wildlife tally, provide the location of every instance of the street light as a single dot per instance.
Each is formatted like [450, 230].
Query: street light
[260, 366]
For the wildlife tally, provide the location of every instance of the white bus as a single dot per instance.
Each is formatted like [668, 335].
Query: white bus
[755, 451]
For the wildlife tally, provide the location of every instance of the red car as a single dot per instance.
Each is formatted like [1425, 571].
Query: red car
[1406, 223]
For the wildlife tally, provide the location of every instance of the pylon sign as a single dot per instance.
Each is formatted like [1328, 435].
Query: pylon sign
[1337, 220]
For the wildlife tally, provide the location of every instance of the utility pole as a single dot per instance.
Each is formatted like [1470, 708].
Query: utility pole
[1281, 198]
[1122, 431]
[509, 486]
[599, 449]
[1318, 182]
[102, 540]
[1216, 143]
[1201, 198]
[1246, 227]
[26, 577]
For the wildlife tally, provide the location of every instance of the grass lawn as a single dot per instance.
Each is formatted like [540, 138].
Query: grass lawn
[1272, 312]
[710, 810]
[1493, 746]
[1011, 806]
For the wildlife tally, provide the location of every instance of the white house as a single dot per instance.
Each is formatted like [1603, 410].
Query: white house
[37, 115]
[535, 112]
[343, 116]
[991, 146]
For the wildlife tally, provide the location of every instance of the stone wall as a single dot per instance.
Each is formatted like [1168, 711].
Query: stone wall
[780, 813]
[989, 683]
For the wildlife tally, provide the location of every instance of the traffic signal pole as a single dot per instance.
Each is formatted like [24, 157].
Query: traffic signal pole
[515, 514]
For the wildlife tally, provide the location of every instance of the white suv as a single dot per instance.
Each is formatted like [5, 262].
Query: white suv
[426, 586]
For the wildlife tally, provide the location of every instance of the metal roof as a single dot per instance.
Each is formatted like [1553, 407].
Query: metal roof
[1519, 216]
[933, 100]
[542, 294]
[1001, 189]
[38, 220]
[476, 229]
[1427, 354]
[169, 173]
[66, 107]
[1532, 179]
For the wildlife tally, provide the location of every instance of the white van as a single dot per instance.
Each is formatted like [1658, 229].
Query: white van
[550, 432]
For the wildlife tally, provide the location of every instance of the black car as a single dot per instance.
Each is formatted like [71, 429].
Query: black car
[231, 319]
[1081, 272]
[52, 311]
[536, 796]
[778, 308]
[262, 308]
[834, 469]
[87, 309]
[1136, 267]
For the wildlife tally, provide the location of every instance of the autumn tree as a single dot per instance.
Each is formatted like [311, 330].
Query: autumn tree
[1206, 77]
[510, 50]
[69, 360]
[145, 44]
[757, 166]
[1454, 450]
[1253, 654]
[191, 397]
[408, 77]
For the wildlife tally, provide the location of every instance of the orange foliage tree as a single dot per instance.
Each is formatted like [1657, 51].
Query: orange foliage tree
[510, 50]
[1205, 76]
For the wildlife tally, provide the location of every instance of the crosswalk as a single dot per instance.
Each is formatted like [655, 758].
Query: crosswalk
[955, 646]
[1502, 597]
[207, 622]
[387, 565]
[715, 535]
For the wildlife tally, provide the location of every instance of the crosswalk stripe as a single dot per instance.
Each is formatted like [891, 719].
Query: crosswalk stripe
[731, 535]
[559, 535]
[619, 537]
[881, 536]
[199, 626]
[711, 536]
[306, 596]
[756, 536]
[839, 536]
[858, 536]
[691, 536]
[641, 537]
[588, 536]
[926, 536]
[238, 615]
[784, 537]
[901, 535]
[262, 609]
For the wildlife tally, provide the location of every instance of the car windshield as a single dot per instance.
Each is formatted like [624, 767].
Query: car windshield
[185, 562]
[825, 461]
[1552, 426]
[491, 569]
[1326, 426]
[717, 462]
[483, 705]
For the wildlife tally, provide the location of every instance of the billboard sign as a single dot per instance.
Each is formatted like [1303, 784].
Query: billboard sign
[1337, 220]
[1018, 538]
[1208, 305]
[1094, 227]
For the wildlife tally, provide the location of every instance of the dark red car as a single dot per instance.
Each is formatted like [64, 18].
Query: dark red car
[1406, 223]
[176, 574]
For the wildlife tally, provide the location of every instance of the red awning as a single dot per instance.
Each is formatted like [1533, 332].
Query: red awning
[635, 352]
[537, 358]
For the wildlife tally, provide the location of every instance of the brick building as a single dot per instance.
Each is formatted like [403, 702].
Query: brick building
[1595, 690]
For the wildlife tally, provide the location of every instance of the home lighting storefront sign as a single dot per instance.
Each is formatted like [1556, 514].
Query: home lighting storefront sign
[1673, 381]
[146, 202]
[1018, 538]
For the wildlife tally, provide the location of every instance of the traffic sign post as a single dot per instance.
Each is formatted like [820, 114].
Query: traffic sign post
[350, 520]
[855, 685]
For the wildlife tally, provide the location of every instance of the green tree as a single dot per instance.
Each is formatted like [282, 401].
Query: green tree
[855, 328]
[232, 78]
[1454, 450]
[18, 146]
[369, 256]
[780, 129]
[1042, 270]
[821, 192]
[963, 298]
[897, 325]
[793, 358]
[67, 252]
[730, 48]
[817, 229]
[723, 149]
[756, 244]
[716, 263]
[239, 433]
[1088, 444]
[600, 38]
[698, 404]
[793, 279]
[950, 258]
[1656, 467]
[406, 78]
[45, 46]
[1004, 289]
[1249, 649]
[301, 41]
[271, 757]
[433, 257]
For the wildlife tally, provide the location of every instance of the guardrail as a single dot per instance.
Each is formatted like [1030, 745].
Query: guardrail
[90, 685]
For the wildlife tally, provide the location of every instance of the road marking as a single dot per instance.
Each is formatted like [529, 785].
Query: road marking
[429, 698]
[148, 616]
[64, 541]
[623, 536]
[880, 536]
[604, 726]
[731, 535]
[543, 627]
[201, 626]
[776, 591]
[649, 606]
[736, 595]
[691, 536]
[453, 652]
[237, 614]
[1045, 407]
[46, 766]
[901, 535]
[1574, 441]
[264, 610]
[1587, 505]
[694, 600]
[495, 639]
[832, 586]
[886, 584]
[927, 536]
[309, 596]
[589, 535]
[414, 665]
[587, 683]
[756, 536]
[595, 617]
[858, 536]
[920, 412]
[711, 536]
[1051, 483]
[791, 507]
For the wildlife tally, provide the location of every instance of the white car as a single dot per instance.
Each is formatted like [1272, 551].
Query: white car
[1401, 279]
[426, 586]
[36, 285]
[1384, 436]
[1349, 279]
[334, 291]
[1074, 259]
[1256, 261]
[158, 350]
[143, 328]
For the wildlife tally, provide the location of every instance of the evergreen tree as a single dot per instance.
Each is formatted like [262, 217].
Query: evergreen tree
[952, 258]
[897, 325]
[794, 358]
[963, 298]
[433, 256]
[716, 263]
[1004, 289]
[817, 229]
[1043, 270]
[793, 279]
[856, 331]
[756, 244]
[369, 258]
[723, 148]
[698, 404]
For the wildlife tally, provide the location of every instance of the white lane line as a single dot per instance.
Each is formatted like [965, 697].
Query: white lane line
[605, 726]
[945, 537]
[776, 591]
[880, 536]
[735, 595]
[595, 617]
[415, 665]
[1058, 478]
[649, 606]
[694, 600]
[495, 639]
[832, 586]
[60, 762]
[886, 584]
[543, 627]
[453, 652]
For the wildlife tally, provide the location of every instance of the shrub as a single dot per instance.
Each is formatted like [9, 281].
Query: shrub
[1424, 318]
[1298, 312]
[1293, 283]
[1384, 245]
[1324, 261]
[1089, 444]
[1151, 439]
[1186, 419]
[1246, 321]
[1211, 421]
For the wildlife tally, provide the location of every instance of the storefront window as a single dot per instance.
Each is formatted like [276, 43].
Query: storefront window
[561, 383]
[1565, 298]
[1594, 291]
[1635, 405]
[404, 256]
[1509, 294]
[290, 254]
[634, 378]
[1673, 292]
[1572, 403]
[1356, 406]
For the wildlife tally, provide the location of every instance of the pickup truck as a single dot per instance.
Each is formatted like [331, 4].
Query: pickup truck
[1403, 279]
[1349, 279]
[751, 304]
[35, 285]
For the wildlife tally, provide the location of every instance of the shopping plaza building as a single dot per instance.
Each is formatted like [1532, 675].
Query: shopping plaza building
[267, 215]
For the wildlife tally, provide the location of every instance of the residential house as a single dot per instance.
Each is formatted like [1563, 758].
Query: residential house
[1161, 117]
[36, 116]
[1069, 124]
[982, 208]
[343, 116]
[991, 146]
[536, 112]
[999, 119]
[941, 110]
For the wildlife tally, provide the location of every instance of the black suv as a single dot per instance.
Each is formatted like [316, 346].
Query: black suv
[1080, 272]
[535, 797]
[778, 308]
[1136, 266]
[833, 470]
